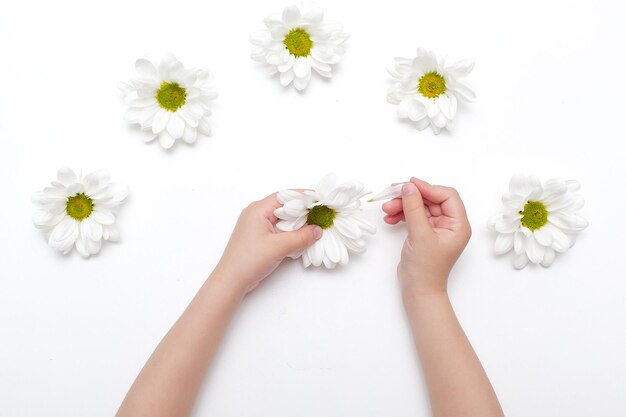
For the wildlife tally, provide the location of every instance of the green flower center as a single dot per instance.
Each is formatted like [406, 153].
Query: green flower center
[322, 216]
[171, 96]
[298, 42]
[535, 215]
[79, 207]
[431, 85]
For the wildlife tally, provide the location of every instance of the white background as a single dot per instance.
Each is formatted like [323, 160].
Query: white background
[74, 334]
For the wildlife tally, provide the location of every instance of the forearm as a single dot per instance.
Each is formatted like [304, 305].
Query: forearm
[170, 380]
[457, 383]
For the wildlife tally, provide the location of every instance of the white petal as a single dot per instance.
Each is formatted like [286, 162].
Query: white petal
[96, 180]
[64, 234]
[504, 243]
[102, 215]
[508, 223]
[302, 68]
[91, 229]
[314, 14]
[117, 191]
[145, 68]
[444, 104]
[326, 184]
[388, 193]
[66, 176]
[519, 242]
[190, 134]
[161, 119]
[548, 257]
[286, 78]
[316, 253]
[534, 250]
[513, 201]
[295, 208]
[81, 246]
[291, 16]
[332, 250]
[286, 195]
[461, 68]
[166, 140]
[544, 236]
[572, 185]
[301, 83]
[111, 233]
[525, 186]
[328, 263]
[93, 246]
[45, 218]
[520, 261]
[176, 126]
[561, 242]
[306, 261]
[416, 110]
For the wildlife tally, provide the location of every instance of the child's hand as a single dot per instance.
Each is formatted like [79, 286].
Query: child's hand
[438, 232]
[255, 249]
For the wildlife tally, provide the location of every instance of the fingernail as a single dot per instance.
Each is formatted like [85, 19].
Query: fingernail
[408, 189]
[317, 232]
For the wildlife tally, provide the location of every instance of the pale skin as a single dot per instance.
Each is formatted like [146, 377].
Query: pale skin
[438, 231]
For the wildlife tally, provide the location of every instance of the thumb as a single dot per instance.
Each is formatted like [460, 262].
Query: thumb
[297, 240]
[413, 208]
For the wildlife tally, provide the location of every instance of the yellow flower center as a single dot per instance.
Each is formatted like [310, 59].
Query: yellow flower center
[298, 42]
[431, 85]
[79, 207]
[535, 215]
[322, 216]
[171, 96]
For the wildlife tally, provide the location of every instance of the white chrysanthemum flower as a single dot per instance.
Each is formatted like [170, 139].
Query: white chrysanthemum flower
[169, 101]
[297, 42]
[79, 211]
[537, 221]
[427, 91]
[337, 210]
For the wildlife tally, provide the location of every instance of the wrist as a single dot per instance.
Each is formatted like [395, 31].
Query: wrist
[228, 283]
[413, 292]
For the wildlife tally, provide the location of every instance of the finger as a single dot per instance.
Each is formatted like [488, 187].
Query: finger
[413, 208]
[447, 198]
[432, 209]
[297, 240]
[392, 206]
[394, 219]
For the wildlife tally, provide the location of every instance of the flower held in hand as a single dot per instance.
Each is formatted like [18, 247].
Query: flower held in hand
[337, 210]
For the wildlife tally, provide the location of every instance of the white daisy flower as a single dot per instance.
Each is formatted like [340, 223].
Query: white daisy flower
[169, 101]
[297, 42]
[427, 91]
[79, 211]
[537, 221]
[337, 210]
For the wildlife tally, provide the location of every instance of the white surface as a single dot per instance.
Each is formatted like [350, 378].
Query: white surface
[550, 82]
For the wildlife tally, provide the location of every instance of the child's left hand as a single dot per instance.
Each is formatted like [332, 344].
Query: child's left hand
[255, 249]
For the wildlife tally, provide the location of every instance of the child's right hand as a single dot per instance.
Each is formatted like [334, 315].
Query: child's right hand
[438, 231]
